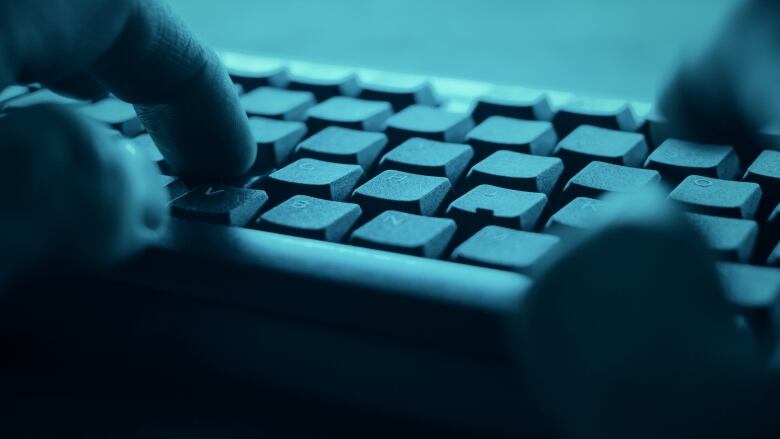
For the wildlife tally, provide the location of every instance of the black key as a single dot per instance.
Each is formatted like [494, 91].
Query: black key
[399, 92]
[677, 159]
[220, 204]
[491, 205]
[599, 178]
[311, 217]
[146, 145]
[579, 215]
[116, 114]
[502, 133]
[406, 233]
[753, 291]
[514, 170]
[765, 171]
[770, 233]
[349, 113]
[507, 249]
[326, 180]
[44, 96]
[774, 257]
[590, 143]
[429, 157]
[276, 141]
[344, 145]
[515, 103]
[12, 92]
[325, 83]
[429, 123]
[713, 196]
[275, 103]
[396, 190]
[610, 114]
[176, 187]
[252, 73]
[732, 239]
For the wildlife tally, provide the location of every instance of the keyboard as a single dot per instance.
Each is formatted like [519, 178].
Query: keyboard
[386, 234]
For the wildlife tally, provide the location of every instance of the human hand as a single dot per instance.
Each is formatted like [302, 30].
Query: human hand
[80, 197]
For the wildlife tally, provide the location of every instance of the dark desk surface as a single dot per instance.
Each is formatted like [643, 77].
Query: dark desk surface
[611, 48]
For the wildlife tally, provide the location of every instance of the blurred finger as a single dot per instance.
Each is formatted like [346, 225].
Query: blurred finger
[144, 54]
[81, 198]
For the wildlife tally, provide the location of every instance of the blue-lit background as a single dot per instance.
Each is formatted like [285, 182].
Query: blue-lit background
[613, 48]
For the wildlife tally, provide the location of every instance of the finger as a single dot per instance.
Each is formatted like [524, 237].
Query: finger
[729, 93]
[629, 335]
[80, 86]
[145, 55]
[76, 197]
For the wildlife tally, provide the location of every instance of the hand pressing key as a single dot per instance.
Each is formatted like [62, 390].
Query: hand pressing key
[72, 196]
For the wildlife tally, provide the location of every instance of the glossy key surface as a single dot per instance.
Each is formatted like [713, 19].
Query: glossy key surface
[275, 139]
[717, 197]
[765, 170]
[513, 170]
[517, 103]
[220, 204]
[590, 143]
[349, 112]
[599, 178]
[324, 83]
[502, 133]
[491, 205]
[276, 103]
[397, 190]
[311, 217]
[580, 214]
[399, 92]
[428, 122]
[732, 239]
[406, 233]
[254, 73]
[507, 249]
[604, 113]
[316, 178]
[429, 157]
[344, 145]
[677, 159]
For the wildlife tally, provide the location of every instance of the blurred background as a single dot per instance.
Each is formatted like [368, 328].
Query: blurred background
[609, 48]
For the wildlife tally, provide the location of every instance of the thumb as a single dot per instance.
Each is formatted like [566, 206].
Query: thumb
[75, 196]
[629, 335]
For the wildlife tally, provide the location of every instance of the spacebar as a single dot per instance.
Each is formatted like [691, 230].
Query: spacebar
[428, 303]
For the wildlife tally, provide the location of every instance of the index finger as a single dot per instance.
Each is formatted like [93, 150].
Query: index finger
[145, 55]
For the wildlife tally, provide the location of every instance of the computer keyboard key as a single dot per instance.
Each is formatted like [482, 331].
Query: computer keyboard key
[765, 171]
[677, 159]
[399, 93]
[276, 103]
[254, 73]
[513, 102]
[311, 217]
[406, 233]
[326, 180]
[604, 113]
[220, 204]
[491, 205]
[349, 112]
[580, 214]
[176, 187]
[513, 170]
[754, 291]
[502, 133]
[507, 249]
[325, 83]
[717, 197]
[732, 239]
[429, 157]
[397, 190]
[428, 122]
[116, 114]
[589, 143]
[276, 141]
[344, 145]
[599, 178]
